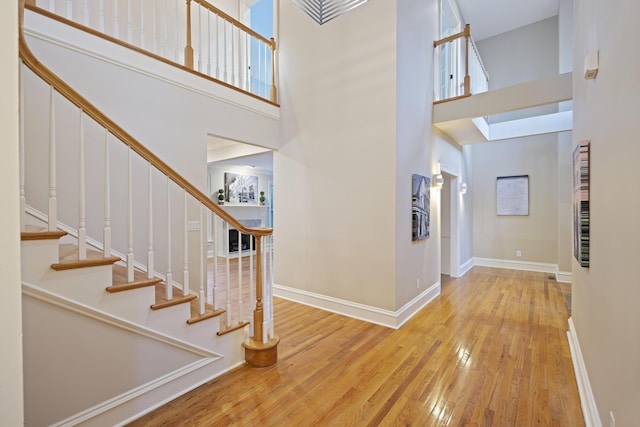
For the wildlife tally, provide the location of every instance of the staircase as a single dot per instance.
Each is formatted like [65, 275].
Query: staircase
[124, 309]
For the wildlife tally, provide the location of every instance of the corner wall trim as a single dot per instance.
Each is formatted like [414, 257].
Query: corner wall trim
[388, 318]
[564, 276]
[588, 402]
[466, 266]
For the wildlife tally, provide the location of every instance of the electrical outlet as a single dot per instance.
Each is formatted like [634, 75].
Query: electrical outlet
[418, 283]
[518, 252]
[612, 419]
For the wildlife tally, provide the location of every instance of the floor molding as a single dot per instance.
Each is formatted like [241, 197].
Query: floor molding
[588, 402]
[564, 276]
[466, 266]
[388, 318]
[516, 265]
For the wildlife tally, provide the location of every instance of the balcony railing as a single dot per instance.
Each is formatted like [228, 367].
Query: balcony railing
[194, 34]
[459, 68]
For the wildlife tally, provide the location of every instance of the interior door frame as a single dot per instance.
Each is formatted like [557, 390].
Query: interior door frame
[454, 220]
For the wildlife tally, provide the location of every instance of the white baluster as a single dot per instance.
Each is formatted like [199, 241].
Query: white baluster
[53, 200]
[185, 272]
[23, 199]
[129, 24]
[271, 278]
[130, 258]
[224, 48]
[252, 277]
[233, 56]
[142, 44]
[169, 281]
[85, 13]
[101, 17]
[247, 65]
[82, 226]
[208, 44]
[116, 23]
[265, 296]
[150, 266]
[154, 29]
[199, 38]
[177, 57]
[240, 315]
[228, 296]
[214, 292]
[107, 198]
[69, 10]
[165, 24]
[203, 260]
[217, 49]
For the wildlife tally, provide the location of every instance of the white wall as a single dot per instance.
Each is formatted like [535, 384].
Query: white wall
[11, 388]
[335, 173]
[535, 235]
[417, 28]
[522, 55]
[605, 296]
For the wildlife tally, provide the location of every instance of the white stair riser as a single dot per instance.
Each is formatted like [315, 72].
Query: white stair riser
[41, 254]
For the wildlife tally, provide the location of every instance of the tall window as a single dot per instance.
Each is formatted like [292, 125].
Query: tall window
[450, 23]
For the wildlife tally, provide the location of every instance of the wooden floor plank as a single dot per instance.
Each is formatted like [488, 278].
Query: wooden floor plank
[491, 350]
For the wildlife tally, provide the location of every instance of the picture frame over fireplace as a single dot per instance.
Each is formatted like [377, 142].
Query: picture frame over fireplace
[239, 188]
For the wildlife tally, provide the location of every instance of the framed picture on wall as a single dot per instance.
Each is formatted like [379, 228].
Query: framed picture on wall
[512, 195]
[240, 188]
[420, 207]
[581, 203]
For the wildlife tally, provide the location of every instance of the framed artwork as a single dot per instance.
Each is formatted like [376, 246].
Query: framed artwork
[581, 203]
[420, 206]
[512, 195]
[240, 188]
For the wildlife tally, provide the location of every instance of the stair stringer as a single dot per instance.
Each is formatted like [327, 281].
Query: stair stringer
[131, 403]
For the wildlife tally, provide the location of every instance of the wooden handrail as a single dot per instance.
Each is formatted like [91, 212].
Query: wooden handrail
[464, 33]
[29, 59]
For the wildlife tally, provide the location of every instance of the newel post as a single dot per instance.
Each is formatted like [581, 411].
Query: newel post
[258, 351]
[274, 89]
[467, 78]
[188, 50]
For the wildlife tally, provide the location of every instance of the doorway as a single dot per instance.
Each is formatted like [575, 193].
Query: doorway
[450, 224]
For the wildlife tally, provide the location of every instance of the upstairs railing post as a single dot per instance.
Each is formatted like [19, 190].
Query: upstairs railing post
[188, 50]
[467, 78]
[274, 89]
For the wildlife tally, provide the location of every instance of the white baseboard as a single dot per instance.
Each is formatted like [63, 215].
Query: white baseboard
[587, 401]
[564, 276]
[516, 265]
[466, 266]
[388, 318]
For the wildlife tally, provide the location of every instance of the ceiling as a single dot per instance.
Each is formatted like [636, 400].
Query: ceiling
[491, 17]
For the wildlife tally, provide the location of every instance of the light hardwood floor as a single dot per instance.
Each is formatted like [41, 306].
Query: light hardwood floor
[491, 350]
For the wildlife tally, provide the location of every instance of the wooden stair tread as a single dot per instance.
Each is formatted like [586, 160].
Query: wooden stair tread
[120, 283]
[69, 258]
[178, 297]
[33, 232]
[209, 312]
[227, 329]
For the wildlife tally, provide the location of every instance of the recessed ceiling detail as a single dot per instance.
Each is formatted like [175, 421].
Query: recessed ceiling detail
[323, 11]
